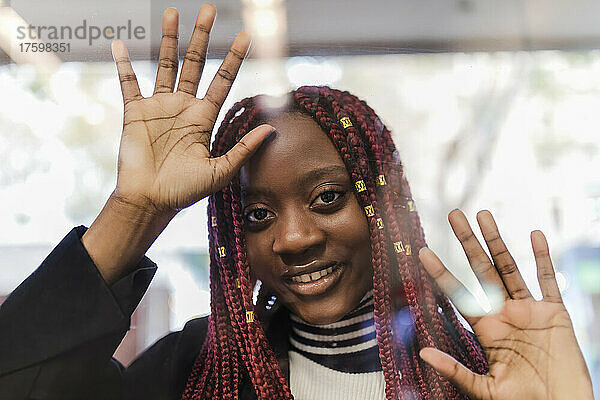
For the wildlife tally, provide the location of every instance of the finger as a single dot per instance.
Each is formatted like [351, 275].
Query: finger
[474, 385]
[227, 165]
[129, 84]
[447, 283]
[478, 259]
[168, 60]
[195, 55]
[223, 80]
[545, 270]
[503, 260]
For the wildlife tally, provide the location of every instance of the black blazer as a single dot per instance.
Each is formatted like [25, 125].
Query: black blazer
[61, 326]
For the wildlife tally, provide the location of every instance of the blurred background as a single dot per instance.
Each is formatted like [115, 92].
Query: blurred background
[493, 105]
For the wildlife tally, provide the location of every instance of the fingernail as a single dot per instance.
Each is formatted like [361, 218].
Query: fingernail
[421, 250]
[269, 136]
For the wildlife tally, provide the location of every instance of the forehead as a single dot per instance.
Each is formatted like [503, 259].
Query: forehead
[299, 147]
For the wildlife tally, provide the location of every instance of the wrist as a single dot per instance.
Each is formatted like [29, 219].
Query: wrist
[139, 208]
[122, 233]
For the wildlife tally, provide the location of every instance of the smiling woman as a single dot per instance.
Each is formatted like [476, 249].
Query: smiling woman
[311, 200]
[307, 236]
[322, 215]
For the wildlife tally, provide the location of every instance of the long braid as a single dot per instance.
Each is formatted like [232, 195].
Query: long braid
[357, 161]
[480, 365]
[437, 390]
[257, 336]
[378, 165]
[417, 240]
[368, 124]
[234, 341]
[382, 165]
[259, 364]
[262, 360]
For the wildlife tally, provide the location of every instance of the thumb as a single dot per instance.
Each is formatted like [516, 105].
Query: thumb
[467, 381]
[227, 165]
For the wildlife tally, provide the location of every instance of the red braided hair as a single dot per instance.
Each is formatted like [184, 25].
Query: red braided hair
[235, 344]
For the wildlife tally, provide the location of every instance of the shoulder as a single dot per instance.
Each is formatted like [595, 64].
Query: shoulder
[161, 371]
[195, 327]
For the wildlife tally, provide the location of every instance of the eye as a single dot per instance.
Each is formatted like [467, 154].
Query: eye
[326, 198]
[257, 215]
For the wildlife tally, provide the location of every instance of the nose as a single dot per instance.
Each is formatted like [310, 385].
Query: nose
[296, 235]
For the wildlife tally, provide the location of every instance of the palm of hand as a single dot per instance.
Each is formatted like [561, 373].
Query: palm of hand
[165, 148]
[530, 345]
[523, 344]
[164, 157]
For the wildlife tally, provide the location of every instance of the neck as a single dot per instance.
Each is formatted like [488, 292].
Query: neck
[365, 302]
[341, 344]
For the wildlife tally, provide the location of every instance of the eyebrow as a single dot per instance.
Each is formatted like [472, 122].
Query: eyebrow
[319, 173]
[305, 179]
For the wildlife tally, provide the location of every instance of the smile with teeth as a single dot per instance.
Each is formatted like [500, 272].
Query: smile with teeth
[314, 276]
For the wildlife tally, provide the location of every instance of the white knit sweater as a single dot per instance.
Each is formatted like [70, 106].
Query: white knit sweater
[338, 360]
[312, 381]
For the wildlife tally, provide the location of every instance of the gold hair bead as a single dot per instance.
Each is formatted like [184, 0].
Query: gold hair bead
[249, 316]
[381, 180]
[380, 223]
[222, 252]
[408, 250]
[213, 221]
[410, 205]
[345, 122]
[398, 247]
[237, 282]
[369, 210]
[360, 186]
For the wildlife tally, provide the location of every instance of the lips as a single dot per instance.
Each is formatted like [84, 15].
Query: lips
[315, 278]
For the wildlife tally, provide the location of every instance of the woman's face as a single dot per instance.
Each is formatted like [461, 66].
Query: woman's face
[307, 236]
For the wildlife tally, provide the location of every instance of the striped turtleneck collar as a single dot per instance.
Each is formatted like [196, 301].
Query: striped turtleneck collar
[349, 345]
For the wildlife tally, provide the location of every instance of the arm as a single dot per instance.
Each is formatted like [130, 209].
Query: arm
[68, 355]
[60, 327]
[120, 236]
[50, 354]
[164, 158]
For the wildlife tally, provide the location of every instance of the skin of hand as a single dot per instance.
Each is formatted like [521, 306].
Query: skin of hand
[164, 162]
[530, 345]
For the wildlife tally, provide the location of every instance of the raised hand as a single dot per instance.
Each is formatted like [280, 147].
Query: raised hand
[530, 345]
[164, 158]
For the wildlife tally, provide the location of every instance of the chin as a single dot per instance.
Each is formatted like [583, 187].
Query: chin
[319, 317]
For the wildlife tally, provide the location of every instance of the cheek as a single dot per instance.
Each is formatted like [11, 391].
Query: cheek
[358, 236]
[349, 232]
[352, 225]
[257, 253]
